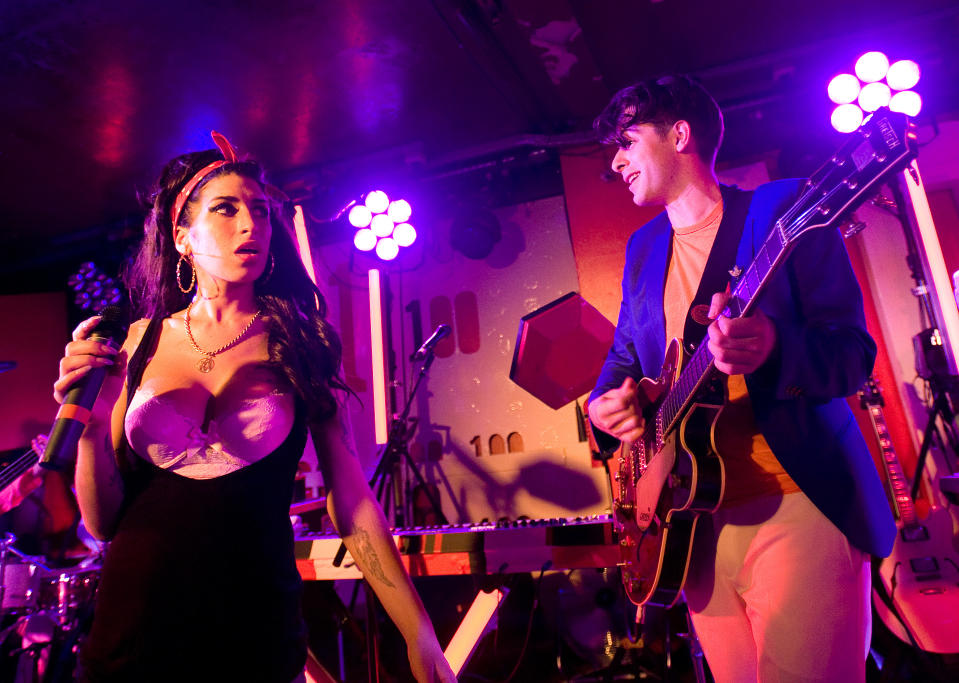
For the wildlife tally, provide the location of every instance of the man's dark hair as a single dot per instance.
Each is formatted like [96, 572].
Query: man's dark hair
[662, 102]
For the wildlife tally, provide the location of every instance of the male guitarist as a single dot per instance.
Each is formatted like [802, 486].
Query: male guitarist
[778, 582]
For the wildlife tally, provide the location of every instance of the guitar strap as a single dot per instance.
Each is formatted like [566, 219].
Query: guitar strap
[721, 259]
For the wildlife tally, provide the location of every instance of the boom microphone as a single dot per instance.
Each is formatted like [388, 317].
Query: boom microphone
[75, 410]
[440, 332]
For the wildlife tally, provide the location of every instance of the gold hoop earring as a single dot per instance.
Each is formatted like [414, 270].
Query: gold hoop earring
[179, 279]
[269, 273]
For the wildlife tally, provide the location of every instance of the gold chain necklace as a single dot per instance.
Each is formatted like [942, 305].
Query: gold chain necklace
[205, 364]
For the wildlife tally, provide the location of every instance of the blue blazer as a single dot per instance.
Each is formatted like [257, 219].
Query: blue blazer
[823, 354]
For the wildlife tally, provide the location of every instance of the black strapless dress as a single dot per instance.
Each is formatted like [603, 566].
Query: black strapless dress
[199, 582]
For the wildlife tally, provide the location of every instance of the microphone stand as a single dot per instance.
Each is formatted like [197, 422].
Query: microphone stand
[400, 432]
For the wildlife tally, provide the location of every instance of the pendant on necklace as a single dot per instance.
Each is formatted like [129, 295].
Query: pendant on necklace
[205, 364]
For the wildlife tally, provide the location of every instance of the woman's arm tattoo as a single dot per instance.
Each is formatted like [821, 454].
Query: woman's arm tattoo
[364, 548]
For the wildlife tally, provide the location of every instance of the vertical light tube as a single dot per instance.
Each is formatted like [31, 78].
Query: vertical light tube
[464, 641]
[303, 242]
[943, 299]
[379, 357]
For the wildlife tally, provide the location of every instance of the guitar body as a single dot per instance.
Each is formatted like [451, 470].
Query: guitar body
[922, 578]
[664, 486]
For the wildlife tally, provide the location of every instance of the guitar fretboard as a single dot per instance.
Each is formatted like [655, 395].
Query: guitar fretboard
[698, 370]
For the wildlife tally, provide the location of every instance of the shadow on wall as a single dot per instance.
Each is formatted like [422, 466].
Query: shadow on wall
[480, 235]
[512, 244]
[543, 479]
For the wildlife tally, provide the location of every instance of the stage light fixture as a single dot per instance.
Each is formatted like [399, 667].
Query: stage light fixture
[93, 289]
[377, 201]
[364, 240]
[387, 249]
[404, 234]
[383, 225]
[876, 84]
[903, 75]
[360, 216]
[843, 89]
[399, 211]
[846, 118]
[874, 95]
[907, 102]
[872, 67]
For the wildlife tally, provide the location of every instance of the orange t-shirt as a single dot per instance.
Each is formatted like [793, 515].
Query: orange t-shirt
[751, 468]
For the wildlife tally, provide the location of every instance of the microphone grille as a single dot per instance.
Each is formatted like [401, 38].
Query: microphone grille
[112, 314]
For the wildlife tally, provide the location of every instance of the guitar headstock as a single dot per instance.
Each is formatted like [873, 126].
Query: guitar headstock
[870, 394]
[883, 145]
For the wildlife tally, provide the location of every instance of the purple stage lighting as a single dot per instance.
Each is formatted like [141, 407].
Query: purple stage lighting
[377, 201]
[360, 216]
[876, 84]
[874, 95]
[94, 290]
[404, 234]
[846, 118]
[383, 224]
[872, 67]
[387, 249]
[907, 102]
[903, 75]
[843, 89]
[364, 240]
[399, 211]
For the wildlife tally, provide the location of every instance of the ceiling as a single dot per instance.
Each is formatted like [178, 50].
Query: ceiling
[98, 94]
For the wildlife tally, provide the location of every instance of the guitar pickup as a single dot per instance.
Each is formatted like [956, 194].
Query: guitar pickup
[924, 565]
[913, 534]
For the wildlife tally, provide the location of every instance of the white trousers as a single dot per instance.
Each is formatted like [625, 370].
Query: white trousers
[777, 594]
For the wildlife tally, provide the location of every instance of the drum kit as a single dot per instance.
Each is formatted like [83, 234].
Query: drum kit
[46, 602]
[44, 612]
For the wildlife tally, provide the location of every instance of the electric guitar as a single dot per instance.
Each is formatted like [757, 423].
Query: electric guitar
[673, 474]
[13, 470]
[920, 579]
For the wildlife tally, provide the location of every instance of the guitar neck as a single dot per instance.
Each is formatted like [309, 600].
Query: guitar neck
[881, 147]
[898, 486]
[700, 370]
[11, 472]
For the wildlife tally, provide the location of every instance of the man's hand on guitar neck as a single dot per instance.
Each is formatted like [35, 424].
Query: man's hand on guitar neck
[17, 490]
[739, 345]
[620, 411]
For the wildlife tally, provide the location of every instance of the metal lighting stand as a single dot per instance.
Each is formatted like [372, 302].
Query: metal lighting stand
[396, 452]
[935, 358]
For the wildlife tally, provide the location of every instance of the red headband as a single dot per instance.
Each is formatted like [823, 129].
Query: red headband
[229, 157]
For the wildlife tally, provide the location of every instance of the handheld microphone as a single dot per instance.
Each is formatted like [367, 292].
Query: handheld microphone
[441, 332]
[74, 412]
